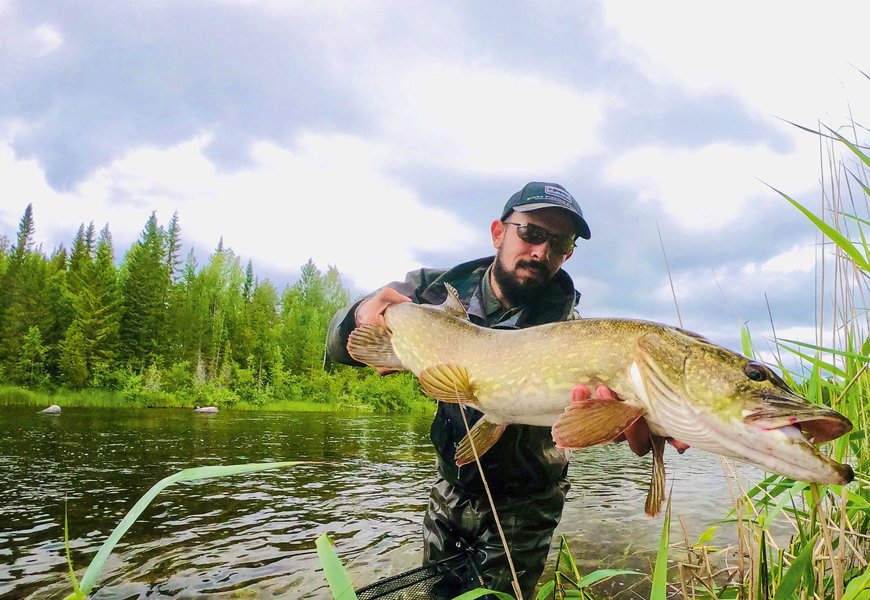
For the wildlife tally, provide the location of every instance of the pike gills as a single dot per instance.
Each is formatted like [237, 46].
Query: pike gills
[685, 387]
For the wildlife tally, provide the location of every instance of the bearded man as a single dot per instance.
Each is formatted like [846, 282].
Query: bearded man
[521, 286]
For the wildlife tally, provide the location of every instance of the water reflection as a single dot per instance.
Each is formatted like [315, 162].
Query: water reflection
[252, 536]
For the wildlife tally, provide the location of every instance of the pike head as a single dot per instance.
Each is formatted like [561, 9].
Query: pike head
[722, 402]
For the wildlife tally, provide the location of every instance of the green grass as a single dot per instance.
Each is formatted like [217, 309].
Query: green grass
[96, 398]
[92, 398]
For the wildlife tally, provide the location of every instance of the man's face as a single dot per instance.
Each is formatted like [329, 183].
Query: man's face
[522, 268]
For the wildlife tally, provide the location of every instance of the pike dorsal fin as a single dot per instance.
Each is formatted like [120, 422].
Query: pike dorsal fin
[448, 383]
[485, 434]
[593, 421]
[656, 494]
[372, 345]
[453, 305]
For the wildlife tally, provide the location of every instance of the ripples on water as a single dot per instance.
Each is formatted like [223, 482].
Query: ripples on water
[252, 536]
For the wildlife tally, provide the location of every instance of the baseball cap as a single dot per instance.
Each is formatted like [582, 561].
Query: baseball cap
[538, 194]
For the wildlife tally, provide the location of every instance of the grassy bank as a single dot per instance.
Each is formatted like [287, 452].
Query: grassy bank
[17, 396]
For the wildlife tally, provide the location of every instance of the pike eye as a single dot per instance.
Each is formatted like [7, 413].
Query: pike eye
[755, 371]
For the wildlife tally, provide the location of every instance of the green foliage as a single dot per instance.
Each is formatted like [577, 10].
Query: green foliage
[395, 393]
[29, 368]
[179, 378]
[73, 363]
[165, 335]
[569, 582]
[144, 291]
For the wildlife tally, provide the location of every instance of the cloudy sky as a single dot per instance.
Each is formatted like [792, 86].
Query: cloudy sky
[386, 135]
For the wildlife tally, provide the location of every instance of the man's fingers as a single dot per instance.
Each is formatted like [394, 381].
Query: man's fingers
[637, 436]
[580, 393]
[371, 310]
[602, 391]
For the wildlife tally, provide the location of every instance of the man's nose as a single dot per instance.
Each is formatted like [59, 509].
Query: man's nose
[541, 251]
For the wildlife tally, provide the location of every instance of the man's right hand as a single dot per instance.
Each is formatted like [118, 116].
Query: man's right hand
[371, 312]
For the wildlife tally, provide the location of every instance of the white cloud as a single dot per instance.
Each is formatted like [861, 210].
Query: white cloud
[712, 187]
[48, 39]
[22, 44]
[784, 57]
[325, 198]
[490, 122]
[800, 258]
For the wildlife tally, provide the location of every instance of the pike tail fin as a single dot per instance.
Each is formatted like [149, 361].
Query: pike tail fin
[372, 345]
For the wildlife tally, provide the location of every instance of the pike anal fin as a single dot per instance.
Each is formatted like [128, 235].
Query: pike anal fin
[656, 494]
[484, 434]
[372, 345]
[593, 421]
[448, 383]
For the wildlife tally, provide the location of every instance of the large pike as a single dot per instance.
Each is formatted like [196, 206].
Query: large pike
[686, 387]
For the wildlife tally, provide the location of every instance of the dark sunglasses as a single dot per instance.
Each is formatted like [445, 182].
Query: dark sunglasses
[533, 234]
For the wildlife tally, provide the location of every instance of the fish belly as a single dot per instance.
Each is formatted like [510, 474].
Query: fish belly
[539, 405]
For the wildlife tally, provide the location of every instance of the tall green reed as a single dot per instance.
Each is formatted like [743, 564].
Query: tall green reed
[82, 588]
[825, 555]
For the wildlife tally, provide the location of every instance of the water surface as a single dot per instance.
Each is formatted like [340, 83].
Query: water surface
[252, 536]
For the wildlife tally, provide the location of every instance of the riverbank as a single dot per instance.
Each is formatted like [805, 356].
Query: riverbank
[94, 398]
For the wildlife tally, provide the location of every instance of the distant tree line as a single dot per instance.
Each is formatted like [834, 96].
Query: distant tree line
[162, 330]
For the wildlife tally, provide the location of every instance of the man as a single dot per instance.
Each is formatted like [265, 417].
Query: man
[522, 286]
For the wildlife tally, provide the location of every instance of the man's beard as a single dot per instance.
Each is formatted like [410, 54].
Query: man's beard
[519, 292]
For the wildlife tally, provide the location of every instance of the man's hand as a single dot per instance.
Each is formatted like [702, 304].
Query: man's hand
[637, 434]
[371, 312]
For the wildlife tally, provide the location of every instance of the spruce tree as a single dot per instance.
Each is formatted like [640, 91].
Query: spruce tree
[29, 369]
[23, 305]
[143, 294]
[173, 248]
[79, 259]
[98, 310]
[73, 360]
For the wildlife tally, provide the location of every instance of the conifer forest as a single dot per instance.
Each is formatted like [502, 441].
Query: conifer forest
[156, 327]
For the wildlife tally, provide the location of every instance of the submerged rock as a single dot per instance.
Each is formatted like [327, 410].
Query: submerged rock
[54, 409]
[205, 409]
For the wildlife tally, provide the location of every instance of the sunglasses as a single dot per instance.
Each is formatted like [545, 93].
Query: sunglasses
[533, 234]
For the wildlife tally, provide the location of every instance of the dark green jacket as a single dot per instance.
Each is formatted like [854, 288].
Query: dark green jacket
[524, 459]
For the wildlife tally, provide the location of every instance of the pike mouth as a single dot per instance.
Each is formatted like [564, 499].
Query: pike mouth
[812, 431]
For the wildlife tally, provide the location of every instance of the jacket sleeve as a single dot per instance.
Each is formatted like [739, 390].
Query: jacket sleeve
[343, 321]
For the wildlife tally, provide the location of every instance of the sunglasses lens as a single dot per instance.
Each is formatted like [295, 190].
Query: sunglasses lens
[532, 234]
[562, 245]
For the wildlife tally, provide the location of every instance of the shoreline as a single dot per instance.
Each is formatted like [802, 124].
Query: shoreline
[96, 398]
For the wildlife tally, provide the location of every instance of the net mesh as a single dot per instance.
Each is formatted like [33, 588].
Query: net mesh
[436, 581]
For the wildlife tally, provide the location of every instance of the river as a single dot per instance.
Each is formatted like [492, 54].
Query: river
[252, 536]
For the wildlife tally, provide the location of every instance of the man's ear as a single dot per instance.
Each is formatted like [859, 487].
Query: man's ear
[569, 255]
[497, 229]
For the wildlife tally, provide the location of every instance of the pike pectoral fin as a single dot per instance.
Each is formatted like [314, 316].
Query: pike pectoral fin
[656, 494]
[593, 421]
[484, 434]
[371, 344]
[448, 383]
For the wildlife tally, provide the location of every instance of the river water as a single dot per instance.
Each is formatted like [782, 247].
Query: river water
[252, 536]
